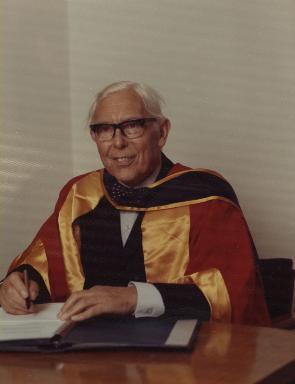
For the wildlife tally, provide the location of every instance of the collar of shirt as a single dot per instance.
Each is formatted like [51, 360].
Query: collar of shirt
[127, 219]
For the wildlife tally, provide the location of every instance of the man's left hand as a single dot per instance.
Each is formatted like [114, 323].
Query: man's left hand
[99, 300]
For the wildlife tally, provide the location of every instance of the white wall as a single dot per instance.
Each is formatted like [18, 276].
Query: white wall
[35, 118]
[226, 69]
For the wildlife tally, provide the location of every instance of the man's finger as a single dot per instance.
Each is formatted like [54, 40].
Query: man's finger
[16, 279]
[13, 311]
[76, 309]
[9, 291]
[76, 303]
[12, 306]
[11, 295]
[87, 314]
[69, 303]
[33, 289]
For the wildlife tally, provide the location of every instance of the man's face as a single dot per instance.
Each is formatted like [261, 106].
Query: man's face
[130, 161]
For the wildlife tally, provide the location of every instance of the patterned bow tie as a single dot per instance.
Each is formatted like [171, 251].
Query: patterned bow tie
[128, 196]
[132, 197]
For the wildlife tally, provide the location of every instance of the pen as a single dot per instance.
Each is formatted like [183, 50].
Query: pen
[26, 280]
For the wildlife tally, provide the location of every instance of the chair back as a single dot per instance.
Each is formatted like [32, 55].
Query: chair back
[278, 280]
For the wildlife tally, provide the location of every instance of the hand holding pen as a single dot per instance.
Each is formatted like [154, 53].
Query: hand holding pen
[18, 292]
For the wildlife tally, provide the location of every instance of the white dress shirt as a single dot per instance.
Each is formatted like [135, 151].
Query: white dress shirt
[149, 299]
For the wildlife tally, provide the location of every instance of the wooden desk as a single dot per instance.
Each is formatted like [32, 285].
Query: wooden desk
[223, 354]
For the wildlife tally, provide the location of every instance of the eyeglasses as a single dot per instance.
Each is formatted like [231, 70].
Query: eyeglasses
[132, 129]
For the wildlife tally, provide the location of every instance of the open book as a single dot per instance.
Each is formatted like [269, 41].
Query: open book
[43, 331]
[40, 325]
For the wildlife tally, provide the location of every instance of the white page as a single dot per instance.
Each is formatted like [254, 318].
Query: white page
[42, 324]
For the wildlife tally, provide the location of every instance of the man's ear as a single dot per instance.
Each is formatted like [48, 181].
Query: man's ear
[164, 131]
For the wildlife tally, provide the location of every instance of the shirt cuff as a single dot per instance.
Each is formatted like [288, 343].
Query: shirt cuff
[149, 300]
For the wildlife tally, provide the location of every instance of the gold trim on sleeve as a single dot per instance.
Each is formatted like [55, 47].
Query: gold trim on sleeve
[212, 285]
[34, 255]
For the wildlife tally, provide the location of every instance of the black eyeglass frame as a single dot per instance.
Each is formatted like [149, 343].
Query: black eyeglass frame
[141, 122]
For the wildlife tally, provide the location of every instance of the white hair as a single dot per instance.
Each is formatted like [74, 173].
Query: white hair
[151, 99]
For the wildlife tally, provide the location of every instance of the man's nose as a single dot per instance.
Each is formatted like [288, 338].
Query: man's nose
[119, 139]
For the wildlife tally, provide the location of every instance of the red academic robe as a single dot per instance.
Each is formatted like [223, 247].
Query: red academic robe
[188, 237]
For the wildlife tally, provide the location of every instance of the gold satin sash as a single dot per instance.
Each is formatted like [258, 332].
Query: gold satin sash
[83, 197]
[165, 243]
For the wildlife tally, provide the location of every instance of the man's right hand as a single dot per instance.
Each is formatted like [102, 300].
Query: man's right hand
[13, 294]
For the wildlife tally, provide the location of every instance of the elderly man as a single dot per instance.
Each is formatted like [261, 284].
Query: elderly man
[142, 236]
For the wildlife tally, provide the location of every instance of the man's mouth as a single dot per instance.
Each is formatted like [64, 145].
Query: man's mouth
[124, 160]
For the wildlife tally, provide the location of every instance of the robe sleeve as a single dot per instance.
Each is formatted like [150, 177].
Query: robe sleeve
[184, 301]
[223, 263]
[44, 256]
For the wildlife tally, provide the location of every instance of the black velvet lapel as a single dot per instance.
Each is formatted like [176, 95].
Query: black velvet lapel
[104, 259]
[192, 185]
